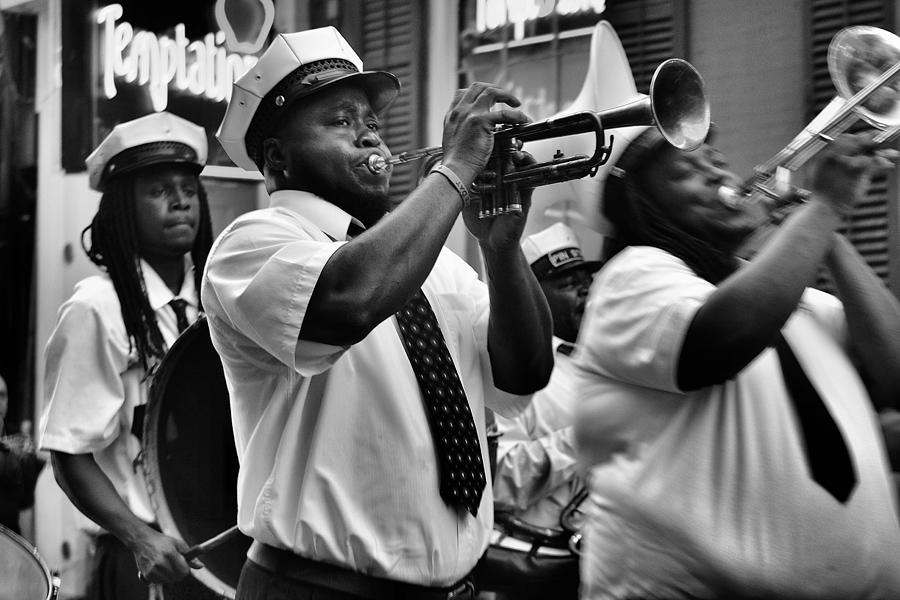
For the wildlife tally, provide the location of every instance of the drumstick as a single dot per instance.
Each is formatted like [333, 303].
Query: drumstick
[213, 542]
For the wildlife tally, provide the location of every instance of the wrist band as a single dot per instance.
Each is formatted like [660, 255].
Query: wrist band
[455, 181]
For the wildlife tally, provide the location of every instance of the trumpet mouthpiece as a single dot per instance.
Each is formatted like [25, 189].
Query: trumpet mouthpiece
[377, 164]
[730, 196]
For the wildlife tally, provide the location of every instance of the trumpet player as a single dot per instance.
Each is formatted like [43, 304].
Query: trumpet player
[727, 408]
[359, 353]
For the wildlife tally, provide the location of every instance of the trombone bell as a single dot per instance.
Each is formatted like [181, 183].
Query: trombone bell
[859, 55]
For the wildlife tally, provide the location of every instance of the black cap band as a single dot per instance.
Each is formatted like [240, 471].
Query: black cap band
[144, 155]
[298, 83]
[558, 260]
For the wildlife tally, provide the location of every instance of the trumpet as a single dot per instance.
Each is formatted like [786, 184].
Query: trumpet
[676, 104]
[863, 63]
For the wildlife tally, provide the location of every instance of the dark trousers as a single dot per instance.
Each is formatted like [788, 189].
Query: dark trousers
[273, 574]
[115, 577]
[257, 583]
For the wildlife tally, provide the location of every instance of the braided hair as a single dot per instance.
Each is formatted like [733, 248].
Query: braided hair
[640, 222]
[114, 248]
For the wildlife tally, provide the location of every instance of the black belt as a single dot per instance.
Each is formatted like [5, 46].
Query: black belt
[287, 564]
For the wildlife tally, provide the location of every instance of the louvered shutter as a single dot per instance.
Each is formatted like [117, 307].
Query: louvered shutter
[869, 227]
[651, 31]
[393, 40]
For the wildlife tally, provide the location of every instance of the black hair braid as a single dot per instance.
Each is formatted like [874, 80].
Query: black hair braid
[202, 242]
[648, 226]
[114, 248]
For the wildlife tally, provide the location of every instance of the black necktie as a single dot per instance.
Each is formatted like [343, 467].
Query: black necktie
[461, 469]
[566, 349]
[826, 451]
[178, 305]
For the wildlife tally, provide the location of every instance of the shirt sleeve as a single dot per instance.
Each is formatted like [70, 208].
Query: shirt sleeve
[828, 311]
[530, 469]
[468, 284]
[84, 359]
[636, 317]
[261, 277]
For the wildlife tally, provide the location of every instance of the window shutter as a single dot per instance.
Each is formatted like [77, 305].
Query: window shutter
[651, 31]
[868, 228]
[393, 40]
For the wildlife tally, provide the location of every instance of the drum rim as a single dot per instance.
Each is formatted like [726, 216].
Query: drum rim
[150, 460]
[32, 550]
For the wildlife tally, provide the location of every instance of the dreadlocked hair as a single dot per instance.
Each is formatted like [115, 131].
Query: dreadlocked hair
[639, 222]
[114, 248]
[649, 227]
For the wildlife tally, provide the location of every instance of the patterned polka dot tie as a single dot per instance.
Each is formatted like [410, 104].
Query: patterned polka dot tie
[462, 478]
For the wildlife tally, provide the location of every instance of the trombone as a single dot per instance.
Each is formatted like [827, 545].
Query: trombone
[863, 63]
[677, 105]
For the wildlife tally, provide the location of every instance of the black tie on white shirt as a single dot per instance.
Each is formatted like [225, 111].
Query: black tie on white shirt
[179, 306]
[827, 456]
[462, 479]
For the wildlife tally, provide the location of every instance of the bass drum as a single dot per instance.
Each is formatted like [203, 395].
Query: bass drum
[189, 458]
[23, 573]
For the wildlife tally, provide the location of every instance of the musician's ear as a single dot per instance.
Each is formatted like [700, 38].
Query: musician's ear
[273, 155]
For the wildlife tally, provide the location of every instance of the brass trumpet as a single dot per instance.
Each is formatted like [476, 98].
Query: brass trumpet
[677, 105]
[863, 63]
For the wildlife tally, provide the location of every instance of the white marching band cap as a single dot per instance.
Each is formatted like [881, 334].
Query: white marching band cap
[152, 139]
[555, 250]
[294, 66]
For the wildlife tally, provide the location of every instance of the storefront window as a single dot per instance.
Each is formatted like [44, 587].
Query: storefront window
[539, 49]
[127, 58]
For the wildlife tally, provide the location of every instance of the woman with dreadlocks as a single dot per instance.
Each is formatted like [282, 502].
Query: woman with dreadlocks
[727, 409]
[150, 236]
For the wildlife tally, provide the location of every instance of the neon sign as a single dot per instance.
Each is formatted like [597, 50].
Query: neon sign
[202, 68]
[491, 14]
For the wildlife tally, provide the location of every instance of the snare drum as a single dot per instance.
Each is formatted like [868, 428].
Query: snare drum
[23, 573]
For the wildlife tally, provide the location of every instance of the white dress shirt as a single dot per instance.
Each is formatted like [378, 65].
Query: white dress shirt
[536, 474]
[337, 459]
[707, 493]
[94, 380]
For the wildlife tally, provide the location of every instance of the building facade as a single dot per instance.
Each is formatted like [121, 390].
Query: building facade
[75, 68]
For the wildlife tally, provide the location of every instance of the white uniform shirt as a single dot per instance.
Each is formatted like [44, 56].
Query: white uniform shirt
[345, 473]
[536, 475]
[709, 490]
[93, 380]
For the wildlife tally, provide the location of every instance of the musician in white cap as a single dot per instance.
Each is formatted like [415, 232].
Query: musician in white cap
[360, 353]
[537, 475]
[150, 236]
[726, 407]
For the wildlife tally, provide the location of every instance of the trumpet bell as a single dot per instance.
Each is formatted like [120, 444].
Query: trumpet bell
[679, 103]
[859, 55]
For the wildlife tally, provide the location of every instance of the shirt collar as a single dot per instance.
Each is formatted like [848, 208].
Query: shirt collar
[159, 294]
[323, 214]
[558, 342]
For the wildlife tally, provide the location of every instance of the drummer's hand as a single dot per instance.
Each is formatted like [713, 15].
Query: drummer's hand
[159, 559]
[469, 127]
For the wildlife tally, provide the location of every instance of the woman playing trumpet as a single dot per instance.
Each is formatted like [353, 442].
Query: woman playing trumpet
[727, 409]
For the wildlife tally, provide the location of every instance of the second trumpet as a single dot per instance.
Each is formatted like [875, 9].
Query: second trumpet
[676, 104]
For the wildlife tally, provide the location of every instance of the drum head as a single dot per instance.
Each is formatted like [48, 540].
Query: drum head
[190, 462]
[23, 574]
